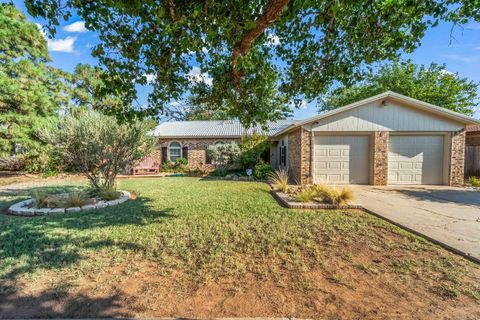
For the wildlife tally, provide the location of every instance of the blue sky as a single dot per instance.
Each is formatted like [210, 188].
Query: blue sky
[459, 49]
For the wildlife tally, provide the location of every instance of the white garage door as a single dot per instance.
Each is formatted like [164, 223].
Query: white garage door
[342, 159]
[415, 159]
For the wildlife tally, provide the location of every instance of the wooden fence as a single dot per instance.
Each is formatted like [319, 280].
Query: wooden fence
[472, 161]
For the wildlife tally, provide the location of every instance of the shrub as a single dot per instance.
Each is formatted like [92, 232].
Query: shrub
[339, 197]
[223, 154]
[40, 198]
[181, 161]
[279, 179]
[474, 181]
[76, 199]
[262, 170]
[252, 148]
[305, 194]
[98, 146]
[44, 200]
[109, 194]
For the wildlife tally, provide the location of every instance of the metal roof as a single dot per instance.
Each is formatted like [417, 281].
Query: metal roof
[214, 128]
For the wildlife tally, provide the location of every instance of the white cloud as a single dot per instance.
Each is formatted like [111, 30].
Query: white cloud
[150, 77]
[446, 73]
[302, 105]
[58, 45]
[78, 26]
[195, 75]
[62, 45]
[274, 40]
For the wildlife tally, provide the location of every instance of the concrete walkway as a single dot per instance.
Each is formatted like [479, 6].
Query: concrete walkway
[450, 216]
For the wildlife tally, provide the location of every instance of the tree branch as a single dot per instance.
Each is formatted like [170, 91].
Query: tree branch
[272, 11]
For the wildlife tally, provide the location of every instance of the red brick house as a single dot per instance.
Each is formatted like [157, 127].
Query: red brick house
[385, 139]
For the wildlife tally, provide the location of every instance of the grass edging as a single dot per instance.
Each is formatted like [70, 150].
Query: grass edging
[283, 200]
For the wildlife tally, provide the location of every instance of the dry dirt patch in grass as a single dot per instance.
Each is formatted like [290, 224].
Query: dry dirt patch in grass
[196, 248]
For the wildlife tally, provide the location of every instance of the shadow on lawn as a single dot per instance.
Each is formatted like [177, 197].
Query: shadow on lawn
[28, 244]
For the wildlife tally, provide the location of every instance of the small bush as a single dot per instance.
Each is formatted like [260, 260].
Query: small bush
[279, 179]
[76, 199]
[339, 197]
[305, 194]
[262, 170]
[474, 181]
[44, 200]
[40, 198]
[109, 194]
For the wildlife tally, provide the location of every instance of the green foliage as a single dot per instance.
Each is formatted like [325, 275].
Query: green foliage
[331, 195]
[31, 92]
[181, 161]
[252, 148]
[109, 193]
[474, 181]
[223, 154]
[262, 170]
[433, 84]
[279, 179]
[319, 42]
[76, 199]
[305, 194]
[98, 146]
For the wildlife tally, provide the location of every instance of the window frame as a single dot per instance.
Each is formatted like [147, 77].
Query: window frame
[180, 151]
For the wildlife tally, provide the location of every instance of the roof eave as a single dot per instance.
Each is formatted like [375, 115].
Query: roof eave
[388, 94]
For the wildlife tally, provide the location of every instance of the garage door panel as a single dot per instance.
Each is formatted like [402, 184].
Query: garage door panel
[415, 159]
[341, 159]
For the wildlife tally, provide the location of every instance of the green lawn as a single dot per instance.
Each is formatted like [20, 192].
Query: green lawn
[202, 231]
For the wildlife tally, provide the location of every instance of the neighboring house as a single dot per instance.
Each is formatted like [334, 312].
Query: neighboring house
[472, 151]
[385, 139]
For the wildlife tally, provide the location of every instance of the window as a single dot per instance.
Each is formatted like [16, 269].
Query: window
[283, 154]
[175, 151]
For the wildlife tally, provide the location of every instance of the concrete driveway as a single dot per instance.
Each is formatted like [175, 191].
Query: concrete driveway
[446, 214]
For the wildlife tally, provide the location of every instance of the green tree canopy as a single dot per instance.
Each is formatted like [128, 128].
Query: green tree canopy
[433, 84]
[31, 92]
[260, 55]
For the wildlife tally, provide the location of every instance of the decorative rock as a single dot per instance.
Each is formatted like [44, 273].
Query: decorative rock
[73, 209]
[26, 212]
[122, 199]
[42, 211]
[88, 207]
[57, 210]
[112, 202]
[22, 208]
[101, 204]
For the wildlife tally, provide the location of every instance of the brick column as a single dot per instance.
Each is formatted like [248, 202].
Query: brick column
[380, 158]
[457, 158]
[299, 151]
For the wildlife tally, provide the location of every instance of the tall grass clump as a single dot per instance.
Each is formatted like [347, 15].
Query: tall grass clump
[279, 179]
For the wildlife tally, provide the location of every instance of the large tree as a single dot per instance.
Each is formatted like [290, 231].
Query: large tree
[433, 84]
[259, 54]
[31, 91]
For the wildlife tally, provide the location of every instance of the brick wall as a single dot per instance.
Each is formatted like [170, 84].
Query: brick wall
[299, 151]
[472, 139]
[457, 158]
[197, 153]
[380, 158]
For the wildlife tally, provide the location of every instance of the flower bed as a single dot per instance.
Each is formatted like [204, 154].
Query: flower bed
[319, 196]
[27, 207]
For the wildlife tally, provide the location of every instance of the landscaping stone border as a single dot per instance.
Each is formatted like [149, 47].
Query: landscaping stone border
[285, 201]
[21, 208]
